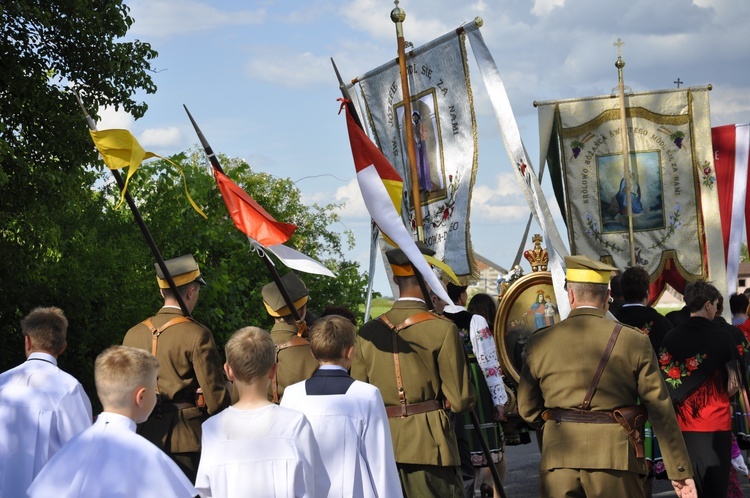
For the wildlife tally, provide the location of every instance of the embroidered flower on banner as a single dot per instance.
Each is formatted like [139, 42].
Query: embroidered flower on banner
[675, 370]
[576, 146]
[708, 178]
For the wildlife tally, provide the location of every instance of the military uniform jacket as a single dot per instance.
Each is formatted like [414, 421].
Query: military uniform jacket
[432, 367]
[295, 363]
[560, 364]
[188, 359]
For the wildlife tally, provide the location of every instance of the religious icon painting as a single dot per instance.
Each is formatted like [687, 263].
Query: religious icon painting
[645, 191]
[528, 305]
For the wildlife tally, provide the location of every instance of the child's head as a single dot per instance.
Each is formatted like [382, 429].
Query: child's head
[331, 338]
[45, 330]
[251, 354]
[126, 381]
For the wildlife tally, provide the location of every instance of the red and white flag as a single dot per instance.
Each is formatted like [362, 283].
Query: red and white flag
[731, 158]
[381, 185]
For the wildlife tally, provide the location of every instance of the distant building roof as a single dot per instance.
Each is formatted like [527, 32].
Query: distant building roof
[483, 263]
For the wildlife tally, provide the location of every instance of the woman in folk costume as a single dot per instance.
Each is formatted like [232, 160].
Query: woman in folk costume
[694, 360]
[476, 334]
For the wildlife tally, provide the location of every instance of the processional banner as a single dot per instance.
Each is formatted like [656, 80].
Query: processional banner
[675, 209]
[444, 140]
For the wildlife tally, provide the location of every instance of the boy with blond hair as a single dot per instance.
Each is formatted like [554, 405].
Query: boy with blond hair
[41, 407]
[348, 416]
[254, 447]
[109, 458]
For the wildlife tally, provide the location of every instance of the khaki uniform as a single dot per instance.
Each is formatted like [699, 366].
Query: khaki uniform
[295, 363]
[188, 359]
[432, 367]
[560, 364]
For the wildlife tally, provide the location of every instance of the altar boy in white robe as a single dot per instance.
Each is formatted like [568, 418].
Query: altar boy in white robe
[348, 417]
[41, 406]
[109, 458]
[254, 447]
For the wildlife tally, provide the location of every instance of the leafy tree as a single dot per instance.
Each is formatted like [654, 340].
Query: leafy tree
[59, 242]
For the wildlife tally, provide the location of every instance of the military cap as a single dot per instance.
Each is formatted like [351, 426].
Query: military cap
[582, 269]
[400, 264]
[274, 301]
[183, 270]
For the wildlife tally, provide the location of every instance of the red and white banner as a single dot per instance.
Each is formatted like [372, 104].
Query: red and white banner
[731, 157]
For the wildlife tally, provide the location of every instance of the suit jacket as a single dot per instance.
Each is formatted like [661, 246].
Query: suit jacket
[560, 364]
[188, 359]
[295, 363]
[432, 367]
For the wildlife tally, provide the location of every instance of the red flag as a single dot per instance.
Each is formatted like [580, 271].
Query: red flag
[249, 217]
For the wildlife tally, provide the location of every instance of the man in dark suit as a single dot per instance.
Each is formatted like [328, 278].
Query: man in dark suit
[190, 383]
[416, 360]
[585, 452]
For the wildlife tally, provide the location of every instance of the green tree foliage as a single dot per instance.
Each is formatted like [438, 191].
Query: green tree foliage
[57, 239]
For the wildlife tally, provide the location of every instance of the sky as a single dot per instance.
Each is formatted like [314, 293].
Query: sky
[257, 77]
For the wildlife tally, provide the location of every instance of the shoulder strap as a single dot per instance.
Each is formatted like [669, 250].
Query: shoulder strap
[420, 317]
[600, 368]
[412, 320]
[293, 342]
[156, 332]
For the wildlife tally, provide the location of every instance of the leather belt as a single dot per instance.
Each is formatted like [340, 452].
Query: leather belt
[579, 416]
[413, 408]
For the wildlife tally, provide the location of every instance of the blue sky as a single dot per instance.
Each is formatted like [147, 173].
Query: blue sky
[257, 77]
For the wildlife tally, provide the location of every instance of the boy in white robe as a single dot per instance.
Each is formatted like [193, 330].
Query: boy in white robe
[254, 447]
[109, 458]
[41, 407]
[348, 417]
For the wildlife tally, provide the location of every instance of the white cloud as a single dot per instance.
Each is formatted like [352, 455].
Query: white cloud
[111, 118]
[502, 202]
[161, 137]
[164, 18]
[544, 7]
[354, 206]
[292, 70]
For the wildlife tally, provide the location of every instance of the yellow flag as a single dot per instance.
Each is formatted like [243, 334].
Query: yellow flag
[120, 149]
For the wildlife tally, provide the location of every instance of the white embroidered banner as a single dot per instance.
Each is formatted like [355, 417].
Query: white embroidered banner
[444, 138]
[674, 194]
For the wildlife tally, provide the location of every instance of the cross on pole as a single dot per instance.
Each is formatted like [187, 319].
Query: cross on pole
[678, 82]
[619, 43]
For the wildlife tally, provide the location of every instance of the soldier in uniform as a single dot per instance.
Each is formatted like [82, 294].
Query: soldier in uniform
[585, 451]
[190, 383]
[416, 360]
[296, 362]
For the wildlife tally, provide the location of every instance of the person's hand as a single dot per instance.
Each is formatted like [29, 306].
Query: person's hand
[685, 488]
[499, 413]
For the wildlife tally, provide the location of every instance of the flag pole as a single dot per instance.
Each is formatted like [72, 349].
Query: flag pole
[301, 326]
[619, 64]
[139, 220]
[398, 15]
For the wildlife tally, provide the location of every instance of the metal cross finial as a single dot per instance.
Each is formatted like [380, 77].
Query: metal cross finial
[678, 82]
[619, 43]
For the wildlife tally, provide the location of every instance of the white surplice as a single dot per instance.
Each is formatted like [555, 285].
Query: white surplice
[264, 452]
[110, 459]
[41, 408]
[354, 437]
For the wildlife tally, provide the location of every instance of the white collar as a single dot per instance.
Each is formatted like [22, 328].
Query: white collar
[116, 420]
[42, 356]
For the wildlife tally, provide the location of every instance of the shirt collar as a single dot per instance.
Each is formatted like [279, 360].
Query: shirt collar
[332, 367]
[44, 357]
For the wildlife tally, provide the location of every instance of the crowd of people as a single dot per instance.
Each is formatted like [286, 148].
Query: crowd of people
[399, 408]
